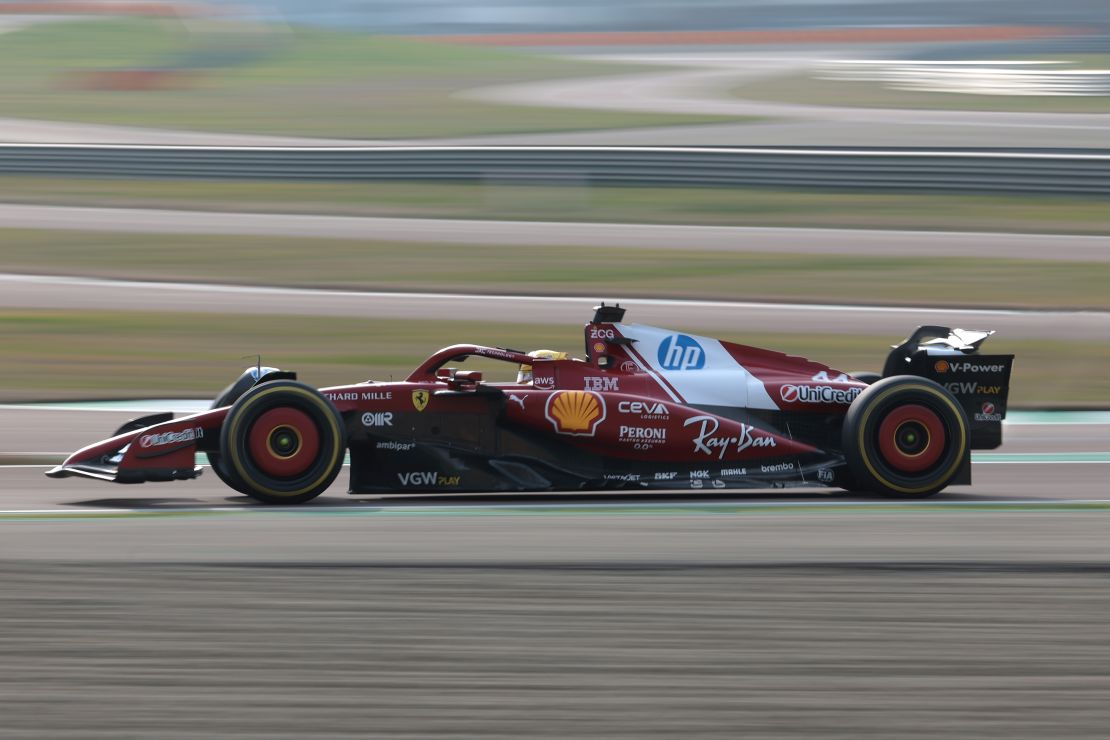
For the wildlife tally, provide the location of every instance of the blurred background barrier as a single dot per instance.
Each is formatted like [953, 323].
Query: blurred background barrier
[1050, 171]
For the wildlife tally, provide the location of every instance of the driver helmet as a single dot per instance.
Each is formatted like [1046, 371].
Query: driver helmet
[524, 374]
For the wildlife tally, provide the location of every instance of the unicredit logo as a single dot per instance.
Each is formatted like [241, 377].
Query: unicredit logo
[168, 438]
[818, 394]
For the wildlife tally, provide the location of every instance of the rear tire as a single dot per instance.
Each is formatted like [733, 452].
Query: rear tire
[281, 443]
[906, 437]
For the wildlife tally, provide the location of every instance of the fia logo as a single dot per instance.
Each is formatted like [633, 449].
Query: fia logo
[680, 352]
[420, 400]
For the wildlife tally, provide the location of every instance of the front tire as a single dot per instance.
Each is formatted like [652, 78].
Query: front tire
[905, 436]
[216, 465]
[228, 396]
[282, 443]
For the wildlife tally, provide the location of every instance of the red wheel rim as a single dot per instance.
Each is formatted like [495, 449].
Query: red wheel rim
[284, 442]
[912, 438]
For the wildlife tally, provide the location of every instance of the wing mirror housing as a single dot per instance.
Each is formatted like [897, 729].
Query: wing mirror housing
[459, 379]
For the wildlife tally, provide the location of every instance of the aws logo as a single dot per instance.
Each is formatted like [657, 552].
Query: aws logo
[577, 413]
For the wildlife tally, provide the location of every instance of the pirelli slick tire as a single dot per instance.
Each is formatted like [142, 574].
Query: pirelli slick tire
[227, 397]
[282, 443]
[905, 436]
[215, 460]
[217, 465]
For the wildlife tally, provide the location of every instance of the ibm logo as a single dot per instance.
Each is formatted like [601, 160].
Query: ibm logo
[680, 352]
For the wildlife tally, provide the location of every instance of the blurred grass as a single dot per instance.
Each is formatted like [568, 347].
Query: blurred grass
[303, 82]
[101, 354]
[493, 200]
[558, 270]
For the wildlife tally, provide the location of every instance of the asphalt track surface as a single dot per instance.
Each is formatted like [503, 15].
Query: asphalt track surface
[738, 239]
[77, 293]
[183, 611]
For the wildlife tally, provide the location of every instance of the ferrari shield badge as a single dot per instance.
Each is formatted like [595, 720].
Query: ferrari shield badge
[420, 400]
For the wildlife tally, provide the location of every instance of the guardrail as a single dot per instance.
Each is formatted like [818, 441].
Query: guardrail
[993, 171]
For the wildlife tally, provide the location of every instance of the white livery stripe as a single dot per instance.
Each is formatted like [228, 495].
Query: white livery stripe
[662, 382]
[699, 369]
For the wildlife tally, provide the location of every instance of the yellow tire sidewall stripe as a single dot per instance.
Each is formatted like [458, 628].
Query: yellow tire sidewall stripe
[233, 449]
[874, 404]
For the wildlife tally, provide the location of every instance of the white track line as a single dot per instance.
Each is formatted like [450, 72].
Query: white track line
[1040, 462]
[218, 288]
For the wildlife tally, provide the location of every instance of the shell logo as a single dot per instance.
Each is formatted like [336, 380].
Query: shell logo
[941, 366]
[577, 413]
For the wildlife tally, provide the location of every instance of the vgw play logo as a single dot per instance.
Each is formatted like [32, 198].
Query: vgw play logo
[680, 352]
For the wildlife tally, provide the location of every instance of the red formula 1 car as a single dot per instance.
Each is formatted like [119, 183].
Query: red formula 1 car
[648, 408]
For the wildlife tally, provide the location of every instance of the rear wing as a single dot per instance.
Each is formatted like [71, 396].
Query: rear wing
[952, 358]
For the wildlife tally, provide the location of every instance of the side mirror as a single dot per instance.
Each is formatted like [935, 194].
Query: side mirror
[461, 380]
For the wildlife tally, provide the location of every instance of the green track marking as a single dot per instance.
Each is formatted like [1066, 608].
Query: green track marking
[777, 508]
[726, 509]
[1040, 457]
[1058, 417]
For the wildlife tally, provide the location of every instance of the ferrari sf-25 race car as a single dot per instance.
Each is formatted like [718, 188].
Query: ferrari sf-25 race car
[647, 408]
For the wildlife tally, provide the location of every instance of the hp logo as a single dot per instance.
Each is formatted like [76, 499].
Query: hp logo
[680, 352]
